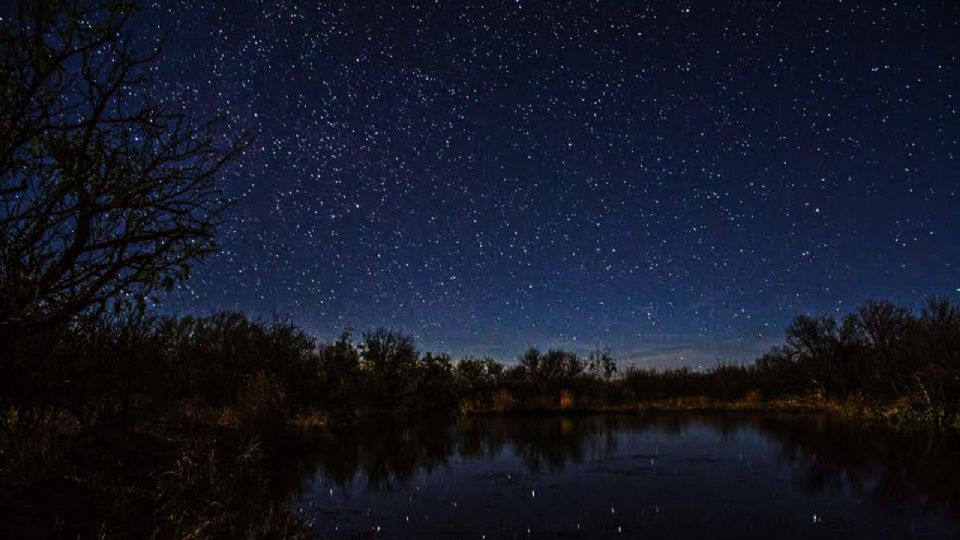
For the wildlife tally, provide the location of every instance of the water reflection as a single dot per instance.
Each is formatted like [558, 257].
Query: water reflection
[681, 475]
[892, 468]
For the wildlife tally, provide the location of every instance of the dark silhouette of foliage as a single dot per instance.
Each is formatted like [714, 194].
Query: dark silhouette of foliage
[601, 365]
[544, 375]
[436, 388]
[107, 195]
[936, 346]
[477, 379]
[126, 367]
[104, 192]
[389, 362]
[339, 373]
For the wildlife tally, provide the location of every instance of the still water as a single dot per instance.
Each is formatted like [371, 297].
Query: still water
[660, 476]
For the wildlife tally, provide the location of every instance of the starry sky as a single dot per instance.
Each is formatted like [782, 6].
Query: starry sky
[676, 180]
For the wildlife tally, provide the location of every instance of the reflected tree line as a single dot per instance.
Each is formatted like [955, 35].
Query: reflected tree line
[108, 197]
[390, 453]
[893, 469]
[896, 470]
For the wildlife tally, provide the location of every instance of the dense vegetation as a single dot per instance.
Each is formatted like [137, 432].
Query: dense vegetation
[196, 392]
[129, 366]
[153, 412]
[116, 419]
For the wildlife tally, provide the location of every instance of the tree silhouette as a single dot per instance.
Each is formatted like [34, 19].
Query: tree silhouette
[103, 190]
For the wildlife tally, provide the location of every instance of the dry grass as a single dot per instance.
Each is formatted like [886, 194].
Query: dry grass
[32, 443]
[504, 402]
[310, 424]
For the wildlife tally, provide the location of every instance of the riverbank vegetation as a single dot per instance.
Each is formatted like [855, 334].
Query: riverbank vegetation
[119, 421]
[152, 411]
[129, 366]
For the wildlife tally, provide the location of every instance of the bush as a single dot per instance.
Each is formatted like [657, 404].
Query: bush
[339, 373]
[477, 379]
[436, 386]
[503, 401]
[389, 362]
[261, 405]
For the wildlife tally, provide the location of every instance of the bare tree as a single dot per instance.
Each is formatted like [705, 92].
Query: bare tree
[104, 191]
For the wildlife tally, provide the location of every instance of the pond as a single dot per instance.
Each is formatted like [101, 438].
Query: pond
[652, 476]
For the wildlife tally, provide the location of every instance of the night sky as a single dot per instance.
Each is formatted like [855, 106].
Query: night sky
[674, 179]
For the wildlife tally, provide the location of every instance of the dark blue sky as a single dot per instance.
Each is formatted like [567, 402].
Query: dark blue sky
[676, 180]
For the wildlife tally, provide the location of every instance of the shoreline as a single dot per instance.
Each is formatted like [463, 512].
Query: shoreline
[896, 415]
